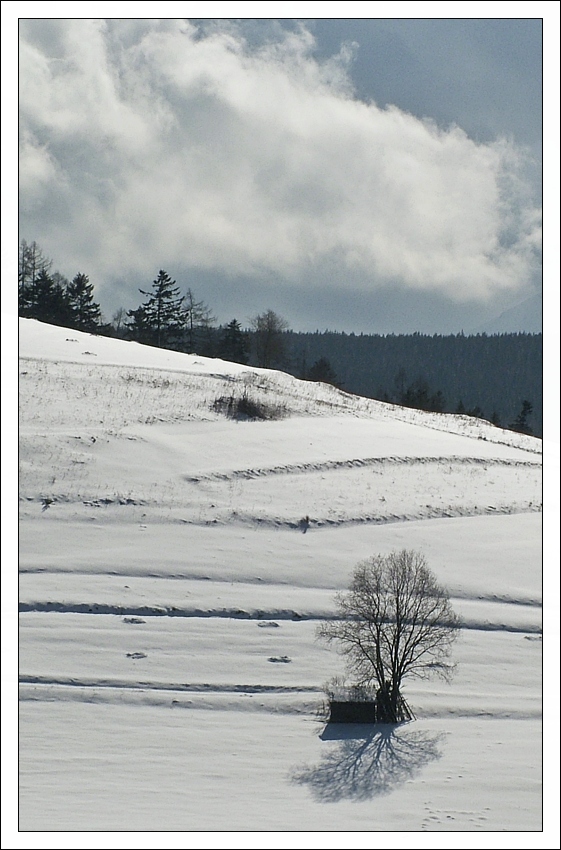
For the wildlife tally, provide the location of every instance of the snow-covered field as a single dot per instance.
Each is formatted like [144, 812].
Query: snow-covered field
[170, 590]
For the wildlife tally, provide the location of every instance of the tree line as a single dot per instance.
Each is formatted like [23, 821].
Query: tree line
[51, 297]
[492, 377]
[166, 318]
[477, 375]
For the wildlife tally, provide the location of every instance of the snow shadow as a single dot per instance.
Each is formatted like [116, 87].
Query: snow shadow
[366, 760]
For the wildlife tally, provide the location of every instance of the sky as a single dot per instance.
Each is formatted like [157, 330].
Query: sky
[366, 175]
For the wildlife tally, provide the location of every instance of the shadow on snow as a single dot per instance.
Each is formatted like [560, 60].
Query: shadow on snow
[366, 760]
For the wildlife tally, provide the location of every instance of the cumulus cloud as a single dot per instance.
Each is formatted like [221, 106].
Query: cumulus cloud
[152, 143]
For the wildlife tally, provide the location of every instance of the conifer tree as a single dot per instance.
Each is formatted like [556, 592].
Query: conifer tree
[31, 262]
[323, 371]
[86, 313]
[160, 320]
[138, 327]
[520, 424]
[50, 299]
[234, 343]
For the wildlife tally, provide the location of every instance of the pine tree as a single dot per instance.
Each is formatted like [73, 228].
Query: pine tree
[160, 320]
[86, 313]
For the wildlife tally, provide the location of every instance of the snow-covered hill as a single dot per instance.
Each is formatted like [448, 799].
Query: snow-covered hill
[174, 562]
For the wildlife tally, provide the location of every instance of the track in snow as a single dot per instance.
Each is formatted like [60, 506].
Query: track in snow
[377, 462]
[474, 623]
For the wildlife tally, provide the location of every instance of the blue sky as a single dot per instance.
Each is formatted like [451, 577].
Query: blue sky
[367, 175]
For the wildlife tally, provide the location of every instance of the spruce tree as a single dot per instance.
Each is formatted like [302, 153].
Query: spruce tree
[323, 371]
[86, 313]
[138, 327]
[520, 424]
[160, 320]
[234, 343]
[51, 300]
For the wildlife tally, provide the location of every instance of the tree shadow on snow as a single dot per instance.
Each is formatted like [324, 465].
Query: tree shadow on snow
[367, 760]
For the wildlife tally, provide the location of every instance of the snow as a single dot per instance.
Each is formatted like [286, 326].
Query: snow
[169, 590]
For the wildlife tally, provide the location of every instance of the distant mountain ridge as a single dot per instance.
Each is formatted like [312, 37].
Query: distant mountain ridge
[526, 317]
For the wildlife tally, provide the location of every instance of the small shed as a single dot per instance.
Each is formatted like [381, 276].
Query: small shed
[352, 712]
[359, 705]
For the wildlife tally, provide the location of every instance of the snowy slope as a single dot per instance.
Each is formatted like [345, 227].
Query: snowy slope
[170, 590]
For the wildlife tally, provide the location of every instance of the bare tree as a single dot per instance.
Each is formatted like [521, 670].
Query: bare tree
[118, 319]
[31, 263]
[268, 340]
[394, 622]
[198, 323]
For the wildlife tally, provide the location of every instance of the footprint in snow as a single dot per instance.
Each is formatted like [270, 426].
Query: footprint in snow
[136, 655]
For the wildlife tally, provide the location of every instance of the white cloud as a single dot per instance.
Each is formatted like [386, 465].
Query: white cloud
[37, 169]
[154, 144]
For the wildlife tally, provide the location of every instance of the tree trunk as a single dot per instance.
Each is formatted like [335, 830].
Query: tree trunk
[391, 706]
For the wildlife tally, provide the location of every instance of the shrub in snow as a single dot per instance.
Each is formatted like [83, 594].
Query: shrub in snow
[245, 407]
